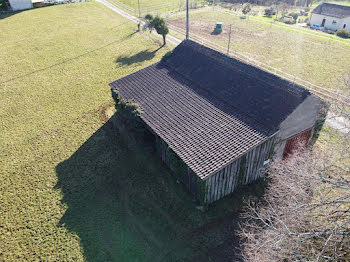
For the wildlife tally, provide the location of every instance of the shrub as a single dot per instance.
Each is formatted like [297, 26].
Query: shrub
[4, 5]
[294, 15]
[269, 11]
[246, 9]
[128, 113]
[343, 33]
[289, 22]
[166, 55]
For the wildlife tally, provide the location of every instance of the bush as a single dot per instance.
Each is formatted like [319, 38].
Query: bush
[246, 9]
[4, 5]
[289, 22]
[294, 15]
[269, 11]
[166, 55]
[128, 114]
[343, 33]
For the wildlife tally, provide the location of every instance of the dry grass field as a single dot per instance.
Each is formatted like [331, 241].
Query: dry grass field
[319, 60]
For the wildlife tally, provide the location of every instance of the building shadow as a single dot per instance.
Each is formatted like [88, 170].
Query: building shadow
[6, 14]
[124, 205]
[137, 58]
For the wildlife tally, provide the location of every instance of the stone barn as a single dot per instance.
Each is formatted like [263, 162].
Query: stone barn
[216, 120]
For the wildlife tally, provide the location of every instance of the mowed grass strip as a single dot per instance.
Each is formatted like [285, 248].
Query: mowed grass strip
[323, 62]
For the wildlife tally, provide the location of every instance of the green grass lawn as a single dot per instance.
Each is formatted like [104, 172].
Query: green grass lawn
[155, 7]
[70, 190]
[322, 61]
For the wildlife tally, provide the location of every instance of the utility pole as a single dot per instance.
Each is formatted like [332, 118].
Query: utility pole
[138, 3]
[187, 27]
[229, 40]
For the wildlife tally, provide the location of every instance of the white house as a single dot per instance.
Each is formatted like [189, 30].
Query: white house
[21, 4]
[331, 16]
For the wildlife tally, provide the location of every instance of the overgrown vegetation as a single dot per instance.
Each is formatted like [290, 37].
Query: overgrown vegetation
[4, 5]
[343, 33]
[128, 114]
[176, 164]
[304, 214]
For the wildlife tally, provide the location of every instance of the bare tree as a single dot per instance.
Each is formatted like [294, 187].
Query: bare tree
[305, 213]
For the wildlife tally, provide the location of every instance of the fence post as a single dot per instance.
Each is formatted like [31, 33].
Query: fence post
[229, 40]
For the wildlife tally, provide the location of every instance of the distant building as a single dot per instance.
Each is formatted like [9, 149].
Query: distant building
[20, 4]
[219, 119]
[331, 16]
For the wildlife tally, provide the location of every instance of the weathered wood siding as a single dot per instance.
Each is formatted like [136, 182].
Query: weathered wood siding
[188, 178]
[242, 171]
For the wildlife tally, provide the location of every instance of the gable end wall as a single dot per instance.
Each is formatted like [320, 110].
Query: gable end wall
[303, 117]
[317, 19]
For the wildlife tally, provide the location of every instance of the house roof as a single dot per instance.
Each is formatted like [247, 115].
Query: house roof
[209, 108]
[334, 10]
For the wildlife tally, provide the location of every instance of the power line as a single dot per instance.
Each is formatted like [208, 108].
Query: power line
[67, 60]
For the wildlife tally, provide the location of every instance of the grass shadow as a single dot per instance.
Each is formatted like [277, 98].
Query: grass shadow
[137, 58]
[124, 205]
[8, 13]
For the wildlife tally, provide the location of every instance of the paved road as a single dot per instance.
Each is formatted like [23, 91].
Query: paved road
[339, 123]
[173, 40]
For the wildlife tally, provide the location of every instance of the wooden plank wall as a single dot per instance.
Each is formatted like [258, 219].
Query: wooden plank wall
[225, 181]
[188, 178]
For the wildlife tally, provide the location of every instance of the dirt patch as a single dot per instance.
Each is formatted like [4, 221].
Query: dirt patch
[106, 112]
[205, 29]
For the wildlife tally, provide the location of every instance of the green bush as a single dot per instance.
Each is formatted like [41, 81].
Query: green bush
[289, 22]
[294, 15]
[128, 113]
[3, 5]
[343, 33]
[166, 55]
[269, 11]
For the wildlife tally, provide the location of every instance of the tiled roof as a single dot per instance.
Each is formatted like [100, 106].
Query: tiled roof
[334, 10]
[209, 108]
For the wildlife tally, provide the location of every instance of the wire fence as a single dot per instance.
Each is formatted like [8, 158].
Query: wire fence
[319, 90]
[161, 9]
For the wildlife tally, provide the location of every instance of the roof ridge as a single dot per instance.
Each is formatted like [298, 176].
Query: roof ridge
[223, 59]
[243, 113]
[226, 57]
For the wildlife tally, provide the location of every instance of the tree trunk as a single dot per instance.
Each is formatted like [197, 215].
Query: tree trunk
[164, 41]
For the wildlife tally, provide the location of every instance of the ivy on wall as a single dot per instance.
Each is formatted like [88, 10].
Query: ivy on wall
[128, 114]
[176, 164]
